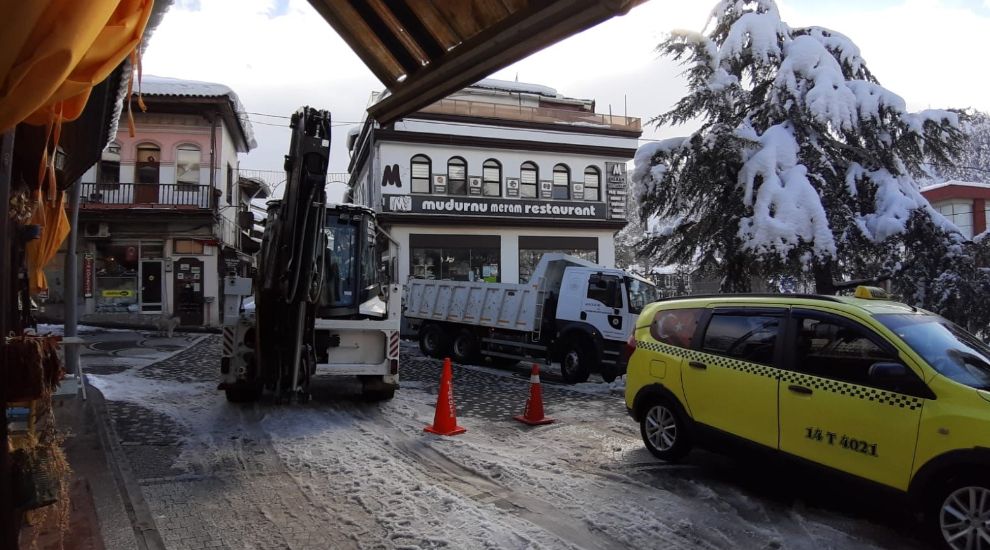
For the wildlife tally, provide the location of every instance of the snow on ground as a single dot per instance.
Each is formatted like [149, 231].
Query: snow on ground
[584, 482]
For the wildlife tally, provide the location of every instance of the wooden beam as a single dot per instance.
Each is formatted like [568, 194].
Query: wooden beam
[514, 38]
[388, 31]
[353, 29]
[415, 28]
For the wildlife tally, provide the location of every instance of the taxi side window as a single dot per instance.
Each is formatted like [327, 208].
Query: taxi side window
[837, 351]
[748, 337]
[675, 326]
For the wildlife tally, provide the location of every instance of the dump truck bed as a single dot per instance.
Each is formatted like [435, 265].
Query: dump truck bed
[496, 305]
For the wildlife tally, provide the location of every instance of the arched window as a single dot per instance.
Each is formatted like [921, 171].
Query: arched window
[419, 168]
[456, 176]
[187, 165]
[561, 182]
[492, 178]
[109, 171]
[529, 178]
[592, 184]
[149, 158]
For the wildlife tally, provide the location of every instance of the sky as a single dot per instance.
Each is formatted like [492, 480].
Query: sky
[280, 54]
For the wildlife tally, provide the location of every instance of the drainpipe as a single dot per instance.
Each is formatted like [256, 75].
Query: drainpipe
[213, 154]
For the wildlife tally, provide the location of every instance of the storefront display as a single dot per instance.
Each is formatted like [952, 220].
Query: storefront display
[531, 249]
[455, 257]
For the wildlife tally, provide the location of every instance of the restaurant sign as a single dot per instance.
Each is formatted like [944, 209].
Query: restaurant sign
[464, 206]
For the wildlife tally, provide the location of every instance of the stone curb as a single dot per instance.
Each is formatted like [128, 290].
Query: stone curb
[145, 530]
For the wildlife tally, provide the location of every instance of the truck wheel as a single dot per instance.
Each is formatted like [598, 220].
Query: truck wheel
[465, 349]
[574, 363]
[433, 341]
[609, 374]
[959, 515]
[243, 392]
[664, 430]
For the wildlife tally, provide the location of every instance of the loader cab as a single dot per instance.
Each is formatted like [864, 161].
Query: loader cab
[351, 274]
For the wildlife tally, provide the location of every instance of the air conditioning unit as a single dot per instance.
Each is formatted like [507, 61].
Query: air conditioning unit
[97, 230]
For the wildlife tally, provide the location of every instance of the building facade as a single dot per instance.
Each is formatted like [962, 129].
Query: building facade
[158, 214]
[478, 186]
[964, 203]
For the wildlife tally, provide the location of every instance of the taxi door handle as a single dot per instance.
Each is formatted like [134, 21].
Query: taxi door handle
[698, 365]
[799, 389]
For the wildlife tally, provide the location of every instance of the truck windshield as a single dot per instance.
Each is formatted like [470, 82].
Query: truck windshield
[640, 294]
[950, 350]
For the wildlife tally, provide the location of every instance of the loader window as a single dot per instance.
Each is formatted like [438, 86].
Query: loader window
[338, 287]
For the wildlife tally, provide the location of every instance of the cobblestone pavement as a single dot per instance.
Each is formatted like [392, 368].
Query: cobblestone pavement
[212, 477]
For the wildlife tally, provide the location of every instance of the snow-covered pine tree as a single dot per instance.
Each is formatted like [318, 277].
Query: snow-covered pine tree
[973, 163]
[803, 163]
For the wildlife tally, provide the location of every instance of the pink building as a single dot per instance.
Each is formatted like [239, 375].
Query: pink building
[966, 204]
[158, 219]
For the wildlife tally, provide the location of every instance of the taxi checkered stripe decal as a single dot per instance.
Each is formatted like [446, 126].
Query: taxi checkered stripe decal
[823, 384]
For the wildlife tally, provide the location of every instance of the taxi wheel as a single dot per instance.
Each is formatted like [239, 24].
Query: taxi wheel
[960, 514]
[664, 430]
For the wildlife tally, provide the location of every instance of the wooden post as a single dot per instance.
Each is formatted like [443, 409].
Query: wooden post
[9, 519]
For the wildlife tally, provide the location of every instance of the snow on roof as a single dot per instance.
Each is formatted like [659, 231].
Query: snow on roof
[519, 87]
[165, 86]
[958, 183]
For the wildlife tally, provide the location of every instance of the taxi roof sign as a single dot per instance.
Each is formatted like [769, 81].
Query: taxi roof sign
[871, 293]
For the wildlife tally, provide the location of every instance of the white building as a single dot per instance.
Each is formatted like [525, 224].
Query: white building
[481, 184]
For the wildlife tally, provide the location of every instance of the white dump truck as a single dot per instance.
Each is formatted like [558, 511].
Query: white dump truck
[571, 312]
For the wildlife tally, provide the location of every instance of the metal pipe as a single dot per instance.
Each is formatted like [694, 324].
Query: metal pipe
[9, 518]
[72, 289]
[297, 350]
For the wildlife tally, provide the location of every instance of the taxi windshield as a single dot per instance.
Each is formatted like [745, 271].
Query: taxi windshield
[950, 350]
[640, 294]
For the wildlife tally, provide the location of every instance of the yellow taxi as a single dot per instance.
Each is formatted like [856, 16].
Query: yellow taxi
[870, 387]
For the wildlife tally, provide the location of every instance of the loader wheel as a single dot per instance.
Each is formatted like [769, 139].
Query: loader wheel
[243, 392]
[575, 362]
[373, 389]
[433, 341]
[465, 347]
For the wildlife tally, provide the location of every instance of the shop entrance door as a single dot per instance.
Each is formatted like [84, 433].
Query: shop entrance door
[188, 295]
[151, 286]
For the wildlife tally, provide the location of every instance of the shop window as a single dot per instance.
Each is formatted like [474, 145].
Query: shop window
[455, 257]
[187, 165]
[492, 176]
[109, 169]
[592, 184]
[561, 182]
[187, 246]
[457, 176]
[420, 170]
[532, 248]
[116, 277]
[529, 176]
[148, 163]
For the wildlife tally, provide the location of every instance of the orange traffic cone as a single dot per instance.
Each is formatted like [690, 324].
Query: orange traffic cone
[444, 419]
[533, 414]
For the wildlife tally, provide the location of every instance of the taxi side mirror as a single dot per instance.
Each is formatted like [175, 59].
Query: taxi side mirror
[888, 371]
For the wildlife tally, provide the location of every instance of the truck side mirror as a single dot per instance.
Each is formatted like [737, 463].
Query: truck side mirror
[888, 371]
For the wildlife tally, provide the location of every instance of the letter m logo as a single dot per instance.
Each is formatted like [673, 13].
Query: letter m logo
[391, 176]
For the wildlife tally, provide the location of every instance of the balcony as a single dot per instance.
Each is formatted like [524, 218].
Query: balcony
[157, 196]
[543, 115]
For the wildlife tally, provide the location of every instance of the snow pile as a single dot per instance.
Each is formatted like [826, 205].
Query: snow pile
[165, 86]
[518, 87]
[786, 209]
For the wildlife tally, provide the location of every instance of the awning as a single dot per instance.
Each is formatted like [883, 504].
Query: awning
[423, 50]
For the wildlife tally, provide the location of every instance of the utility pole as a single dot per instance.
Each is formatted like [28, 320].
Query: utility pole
[71, 295]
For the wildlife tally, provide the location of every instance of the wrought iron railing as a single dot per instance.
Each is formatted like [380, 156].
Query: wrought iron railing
[532, 114]
[275, 179]
[147, 195]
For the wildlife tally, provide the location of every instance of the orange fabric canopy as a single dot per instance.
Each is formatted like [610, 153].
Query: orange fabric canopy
[55, 51]
[52, 53]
